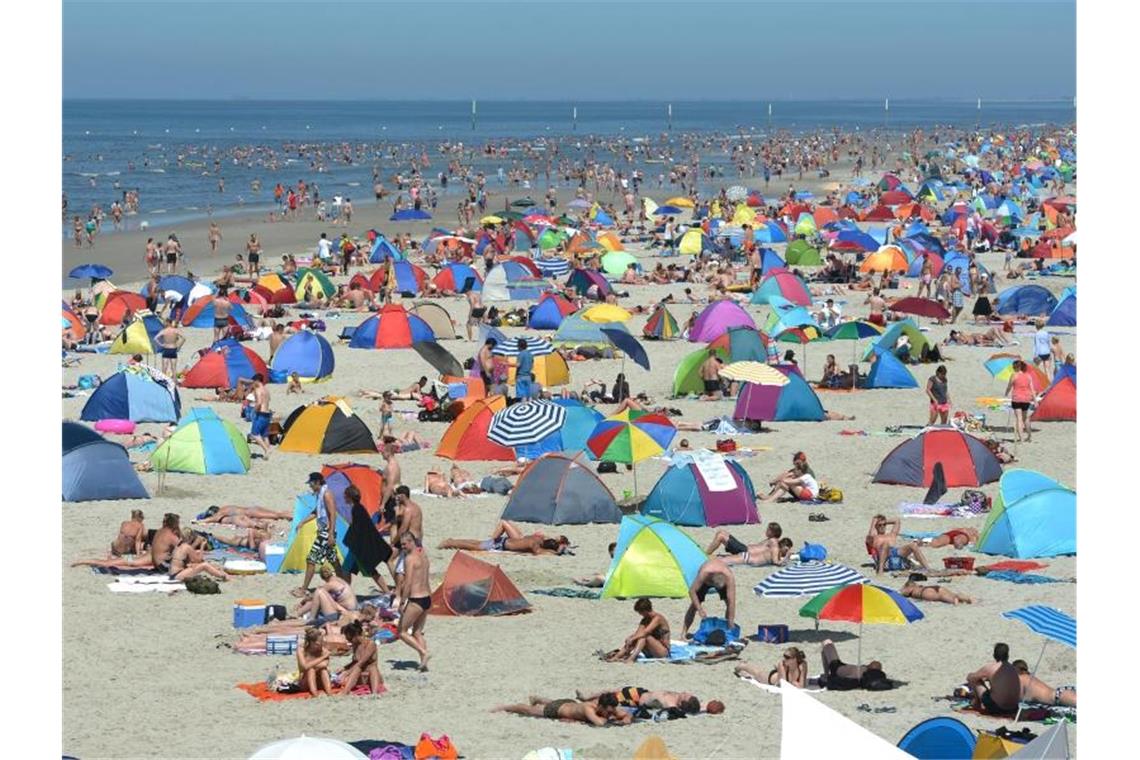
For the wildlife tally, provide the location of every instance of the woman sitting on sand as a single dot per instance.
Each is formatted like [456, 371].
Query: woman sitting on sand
[313, 664]
[508, 538]
[363, 663]
[651, 636]
[913, 590]
[132, 536]
[792, 668]
[331, 600]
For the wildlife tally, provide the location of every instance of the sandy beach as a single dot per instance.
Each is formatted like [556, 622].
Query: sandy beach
[149, 675]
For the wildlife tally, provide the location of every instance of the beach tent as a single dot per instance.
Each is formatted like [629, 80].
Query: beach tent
[71, 321]
[383, 250]
[661, 325]
[743, 344]
[95, 469]
[436, 317]
[890, 337]
[407, 278]
[473, 587]
[583, 279]
[326, 426]
[466, 438]
[223, 365]
[251, 299]
[800, 253]
[1058, 403]
[652, 558]
[1065, 313]
[133, 396]
[306, 353]
[549, 312]
[303, 532]
[705, 491]
[615, 263]
[367, 480]
[781, 282]
[785, 315]
[576, 331]
[279, 289]
[313, 283]
[1033, 516]
[794, 401]
[1025, 300]
[116, 305]
[889, 372]
[456, 277]
[138, 336]
[687, 375]
[392, 327]
[558, 490]
[511, 281]
[694, 242]
[966, 461]
[939, 739]
[550, 369]
[578, 425]
[201, 314]
[718, 317]
[203, 444]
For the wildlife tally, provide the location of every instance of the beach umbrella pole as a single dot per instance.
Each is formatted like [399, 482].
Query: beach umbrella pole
[859, 656]
[1036, 665]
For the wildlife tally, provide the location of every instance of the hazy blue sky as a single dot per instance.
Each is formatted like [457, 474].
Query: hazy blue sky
[544, 50]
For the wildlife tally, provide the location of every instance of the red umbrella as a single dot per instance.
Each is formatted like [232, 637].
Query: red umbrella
[920, 307]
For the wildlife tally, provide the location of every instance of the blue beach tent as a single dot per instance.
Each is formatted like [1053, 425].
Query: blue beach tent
[306, 353]
[1065, 312]
[939, 739]
[1026, 300]
[95, 469]
[131, 396]
[1033, 516]
[889, 372]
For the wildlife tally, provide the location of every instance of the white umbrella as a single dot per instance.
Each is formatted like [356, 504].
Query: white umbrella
[308, 748]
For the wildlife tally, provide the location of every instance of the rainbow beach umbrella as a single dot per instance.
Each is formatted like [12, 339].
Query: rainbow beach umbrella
[855, 331]
[862, 603]
[629, 437]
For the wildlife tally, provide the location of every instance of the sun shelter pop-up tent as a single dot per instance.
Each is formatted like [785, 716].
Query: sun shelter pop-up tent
[95, 469]
[367, 480]
[718, 317]
[1033, 516]
[889, 372]
[939, 738]
[436, 317]
[888, 340]
[965, 460]
[203, 444]
[558, 490]
[1065, 312]
[326, 426]
[1025, 300]
[472, 587]
[393, 327]
[466, 438]
[652, 558]
[661, 325]
[303, 532]
[134, 396]
[549, 312]
[306, 353]
[703, 491]
[223, 365]
[1058, 403]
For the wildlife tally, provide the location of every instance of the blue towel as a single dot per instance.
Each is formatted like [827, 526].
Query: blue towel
[1012, 577]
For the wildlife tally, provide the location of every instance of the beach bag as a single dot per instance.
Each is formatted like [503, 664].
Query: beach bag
[87, 382]
[200, 584]
[975, 501]
[606, 467]
[715, 631]
[441, 748]
[813, 552]
[726, 445]
[387, 752]
[772, 634]
[828, 493]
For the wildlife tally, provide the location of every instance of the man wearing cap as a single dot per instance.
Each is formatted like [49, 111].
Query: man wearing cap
[324, 548]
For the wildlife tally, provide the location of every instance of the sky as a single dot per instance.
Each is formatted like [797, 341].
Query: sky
[549, 50]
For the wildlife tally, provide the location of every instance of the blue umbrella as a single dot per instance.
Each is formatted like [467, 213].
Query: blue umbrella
[666, 210]
[1048, 622]
[409, 214]
[628, 345]
[94, 271]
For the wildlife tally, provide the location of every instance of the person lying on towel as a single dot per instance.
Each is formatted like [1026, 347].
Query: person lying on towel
[508, 538]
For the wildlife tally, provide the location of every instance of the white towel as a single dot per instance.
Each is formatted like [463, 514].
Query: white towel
[715, 471]
[125, 586]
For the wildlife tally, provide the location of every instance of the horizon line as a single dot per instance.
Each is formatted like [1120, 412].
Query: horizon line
[870, 99]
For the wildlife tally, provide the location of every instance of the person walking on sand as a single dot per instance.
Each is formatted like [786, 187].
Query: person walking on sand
[938, 391]
[171, 251]
[414, 589]
[222, 308]
[253, 255]
[324, 548]
[214, 237]
[1022, 391]
[169, 340]
[1042, 349]
[262, 416]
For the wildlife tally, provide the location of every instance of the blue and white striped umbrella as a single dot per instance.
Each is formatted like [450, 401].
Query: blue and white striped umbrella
[510, 347]
[553, 267]
[1048, 622]
[527, 423]
[807, 578]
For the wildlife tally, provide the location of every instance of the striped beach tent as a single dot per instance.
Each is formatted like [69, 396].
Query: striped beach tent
[807, 578]
[553, 267]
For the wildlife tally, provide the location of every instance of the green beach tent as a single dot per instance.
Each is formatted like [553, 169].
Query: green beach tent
[687, 376]
[652, 558]
[203, 444]
[800, 253]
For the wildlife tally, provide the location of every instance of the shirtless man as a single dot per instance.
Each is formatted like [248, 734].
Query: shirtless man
[508, 538]
[276, 338]
[408, 518]
[882, 544]
[132, 536]
[878, 304]
[606, 710]
[714, 575]
[487, 362]
[914, 590]
[437, 485]
[188, 562]
[996, 686]
[773, 550]
[635, 696]
[475, 312]
[710, 375]
[1033, 689]
[222, 309]
[165, 541]
[262, 416]
[169, 340]
[414, 588]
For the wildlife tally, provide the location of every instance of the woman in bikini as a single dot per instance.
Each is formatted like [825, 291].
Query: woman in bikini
[313, 664]
[132, 536]
[332, 599]
[651, 636]
[913, 590]
[960, 538]
[792, 668]
[363, 663]
[508, 538]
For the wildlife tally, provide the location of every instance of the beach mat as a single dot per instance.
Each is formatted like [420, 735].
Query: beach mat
[136, 571]
[1011, 576]
[569, 592]
[146, 585]
[1031, 712]
[367, 745]
[262, 693]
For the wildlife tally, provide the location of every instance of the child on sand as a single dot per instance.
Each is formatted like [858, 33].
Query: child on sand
[294, 384]
[313, 664]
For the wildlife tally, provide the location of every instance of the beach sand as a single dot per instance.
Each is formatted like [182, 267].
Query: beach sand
[147, 675]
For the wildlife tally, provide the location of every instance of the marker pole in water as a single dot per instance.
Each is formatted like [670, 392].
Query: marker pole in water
[575, 125]
[472, 115]
[769, 117]
[670, 111]
[978, 121]
[886, 112]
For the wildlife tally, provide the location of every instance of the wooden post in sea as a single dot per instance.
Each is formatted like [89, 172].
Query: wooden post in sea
[670, 111]
[473, 115]
[574, 126]
[978, 120]
[769, 117]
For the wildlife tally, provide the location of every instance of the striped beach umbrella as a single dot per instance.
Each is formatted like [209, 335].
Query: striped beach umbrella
[510, 346]
[804, 578]
[630, 437]
[754, 372]
[1048, 622]
[553, 267]
[526, 424]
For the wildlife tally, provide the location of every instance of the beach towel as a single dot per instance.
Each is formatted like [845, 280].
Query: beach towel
[368, 548]
[262, 692]
[368, 746]
[715, 471]
[1031, 712]
[812, 686]
[1011, 576]
[1014, 565]
[914, 509]
[569, 593]
[146, 584]
[135, 571]
[918, 535]
[426, 495]
[683, 651]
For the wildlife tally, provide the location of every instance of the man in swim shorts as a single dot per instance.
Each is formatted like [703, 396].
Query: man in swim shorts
[415, 589]
[714, 575]
[605, 712]
[262, 416]
[710, 375]
[773, 550]
[996, 686]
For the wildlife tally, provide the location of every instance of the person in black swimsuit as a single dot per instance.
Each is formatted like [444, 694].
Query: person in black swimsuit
[651, 636]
